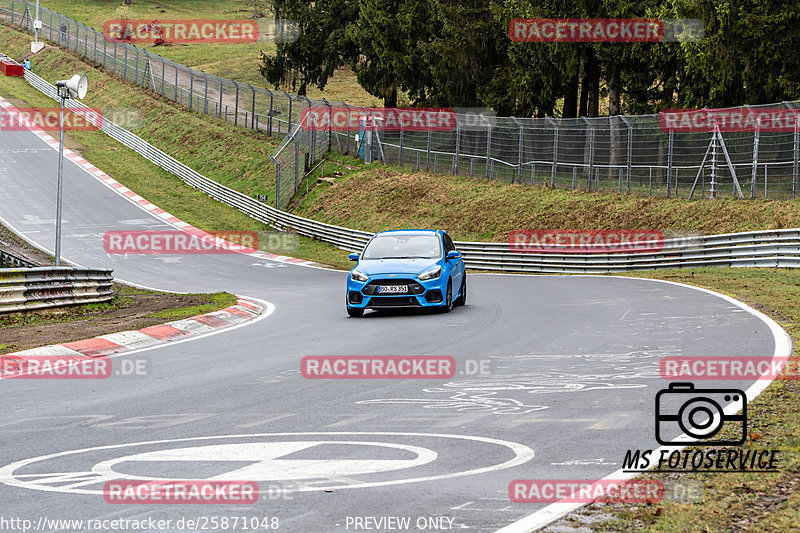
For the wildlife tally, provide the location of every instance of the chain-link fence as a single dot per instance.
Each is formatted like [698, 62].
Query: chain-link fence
[623, 153]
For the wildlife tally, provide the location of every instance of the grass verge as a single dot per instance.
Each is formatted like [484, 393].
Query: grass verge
[131, 308]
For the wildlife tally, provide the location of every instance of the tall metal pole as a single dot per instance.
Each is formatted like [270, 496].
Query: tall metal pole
[35, 26]
[60, 178]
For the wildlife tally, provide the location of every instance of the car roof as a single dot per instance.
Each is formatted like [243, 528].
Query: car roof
[412, 231]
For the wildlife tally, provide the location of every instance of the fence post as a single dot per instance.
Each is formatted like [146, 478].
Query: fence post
[191, 89]
[428, 152]
[126, 63]
[290, 112]
[519, 156]
[137, 68]
[330, 125]
[277, 184]
[488, 150]
[116, 59]
[555, 152]
[591, 161]
[105, 55]
[650, 186]
[630, 156]
[94, 48]
[176, 94]
[402, 154]
[219, 109]
[253, 109]
[269, 121]
[755, 162]
[236, 106]
[795, 176]
[458, 146]
[347, 132]
[296, 165]
[765, 181]
[205, 95]
[669, 164]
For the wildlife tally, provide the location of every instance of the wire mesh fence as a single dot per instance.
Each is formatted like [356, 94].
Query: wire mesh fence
[628, 154]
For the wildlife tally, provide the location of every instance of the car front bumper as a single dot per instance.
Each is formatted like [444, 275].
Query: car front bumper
[365, 295]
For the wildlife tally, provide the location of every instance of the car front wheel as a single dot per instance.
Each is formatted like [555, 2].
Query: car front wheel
[354, 312]
[462, 297]
[448, 300]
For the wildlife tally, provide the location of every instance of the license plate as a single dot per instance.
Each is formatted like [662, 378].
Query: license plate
[393, 289]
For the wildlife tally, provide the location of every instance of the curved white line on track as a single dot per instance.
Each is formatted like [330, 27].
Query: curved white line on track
[783, 350]
[522, 454]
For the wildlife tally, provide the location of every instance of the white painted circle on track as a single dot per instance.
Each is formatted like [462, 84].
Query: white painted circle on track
[267, 462]
[264, 461]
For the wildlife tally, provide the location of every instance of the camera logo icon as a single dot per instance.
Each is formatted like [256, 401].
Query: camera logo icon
[700, 414]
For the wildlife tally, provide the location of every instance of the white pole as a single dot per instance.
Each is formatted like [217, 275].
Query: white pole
[60, 179]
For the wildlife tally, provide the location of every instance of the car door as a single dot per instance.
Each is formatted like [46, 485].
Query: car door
[455, 265]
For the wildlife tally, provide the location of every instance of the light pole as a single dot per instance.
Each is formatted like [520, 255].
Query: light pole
[75, 87]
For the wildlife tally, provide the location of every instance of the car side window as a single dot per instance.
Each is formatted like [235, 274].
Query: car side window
[448, 243]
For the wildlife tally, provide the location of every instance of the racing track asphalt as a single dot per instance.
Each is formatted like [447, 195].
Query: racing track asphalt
[575, 372]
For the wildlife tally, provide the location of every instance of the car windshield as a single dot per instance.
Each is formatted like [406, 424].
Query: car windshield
[403, 246]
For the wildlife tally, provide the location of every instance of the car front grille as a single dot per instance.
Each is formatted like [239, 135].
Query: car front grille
[393, 301]
[413, 287]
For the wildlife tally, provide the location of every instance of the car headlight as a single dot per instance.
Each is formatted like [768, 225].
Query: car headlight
[435, 272]
[355, 275]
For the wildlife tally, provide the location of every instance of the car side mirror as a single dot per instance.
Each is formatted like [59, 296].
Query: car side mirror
[353, 257]
[453, 254]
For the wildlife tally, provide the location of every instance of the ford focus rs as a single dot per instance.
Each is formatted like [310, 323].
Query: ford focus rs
[407, 268]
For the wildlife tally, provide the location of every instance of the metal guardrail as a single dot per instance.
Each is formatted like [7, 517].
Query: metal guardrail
[8, 260]
[774, 248]
[23, 289]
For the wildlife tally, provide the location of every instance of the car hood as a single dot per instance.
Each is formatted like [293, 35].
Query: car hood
[410, 267]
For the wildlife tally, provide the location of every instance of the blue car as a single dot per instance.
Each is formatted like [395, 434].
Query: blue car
[407, 268]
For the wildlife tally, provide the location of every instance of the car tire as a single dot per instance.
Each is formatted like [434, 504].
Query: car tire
[462, 296]
[448, 299]
[355, 312]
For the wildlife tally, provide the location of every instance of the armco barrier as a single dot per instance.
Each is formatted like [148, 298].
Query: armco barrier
[8, 260]
[774, 248]
[23, 289]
